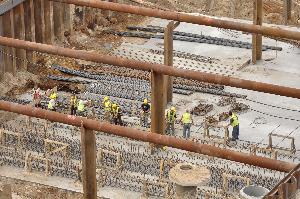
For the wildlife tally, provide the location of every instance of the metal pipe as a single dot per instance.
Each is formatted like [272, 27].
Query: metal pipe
[148, 137]
[183, 17]
[158, 68]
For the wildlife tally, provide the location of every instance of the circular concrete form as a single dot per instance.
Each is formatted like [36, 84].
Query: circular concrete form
[186, 178]
[253, 192]
[189, 175]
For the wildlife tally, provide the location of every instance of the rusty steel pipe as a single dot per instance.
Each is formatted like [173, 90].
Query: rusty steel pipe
[145, 66]
[183, 17]
[148, 137]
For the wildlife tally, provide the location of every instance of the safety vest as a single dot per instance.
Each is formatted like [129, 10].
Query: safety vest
[73, 101]
[171, 116]
[53, 96]
[107, 105]
[80, 106]
[115, 111]
[186, 118]
[235, 119]
[51, 104]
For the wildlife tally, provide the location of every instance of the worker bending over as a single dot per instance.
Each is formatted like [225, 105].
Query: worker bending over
[116, 115]
[107, 109]
[186, 121]
[234, 122]
[145, 112]
[73, 104]
[170, 120]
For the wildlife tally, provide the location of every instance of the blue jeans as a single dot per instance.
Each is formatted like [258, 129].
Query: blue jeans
[187, 130]
[236, 132]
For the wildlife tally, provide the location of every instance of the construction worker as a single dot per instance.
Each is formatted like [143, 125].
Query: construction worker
[53, 94]
[116, 114]
[170, 120]
[81, 108]
[52, 105]
[73, 104]
[107, 109]
[186, 121]
[37, 97]
[145, 113]
[234, 122]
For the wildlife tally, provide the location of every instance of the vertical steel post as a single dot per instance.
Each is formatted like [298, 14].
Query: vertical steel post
[158, 99]
[287, 11]
[29, 26]
[49, 25]
[88, 158]
[19, 26]
[257, 38]
[58, 17]
[39, 19]
[168, 58]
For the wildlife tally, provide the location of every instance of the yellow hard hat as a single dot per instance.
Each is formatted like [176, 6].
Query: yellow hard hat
[145, 101]
[106, 98]
[173, 108]
[114, 105]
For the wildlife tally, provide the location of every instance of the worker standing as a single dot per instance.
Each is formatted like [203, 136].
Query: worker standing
[116, 115]
[81, 108]
[52, 105]
[187, 121]
[53, 94]
[107, 109]
[234, 122]
[73, 104]
[37, 97]
[145, 112]
[170, 120]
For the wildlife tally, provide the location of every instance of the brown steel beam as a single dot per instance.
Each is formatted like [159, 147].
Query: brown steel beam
[168, 58]
[158, 102]
[158, 68]
[39, 19]
[154, 138]
[58, 17]
[48, 19]
[29, 26]
[182, 17]
[88, 158]
[19, 26]
[257, 38]
[287, 10]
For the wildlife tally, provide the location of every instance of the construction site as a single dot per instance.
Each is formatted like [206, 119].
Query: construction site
[148, 99]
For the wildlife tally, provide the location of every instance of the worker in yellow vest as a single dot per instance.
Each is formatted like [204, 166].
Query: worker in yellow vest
[107, 109]
[52, 105]
[186, 121]
[116, 115]
[145, 113]
[53, 94]
[73, 104]
[81, 108]
[234, 122]
[170, 120]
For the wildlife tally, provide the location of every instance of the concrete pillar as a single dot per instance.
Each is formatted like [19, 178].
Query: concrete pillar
[69, 17]
[88, 158]
[8, 31]
[29, 26]
[58, 17]
[48, 19]
[39, 18]
[19, 26]
[256, 38]
[287, 11]
[168, 58]
[158, 99]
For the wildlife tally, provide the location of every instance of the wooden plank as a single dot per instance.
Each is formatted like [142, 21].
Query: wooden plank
[58, 19]
[257, 38]
[29, 27]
